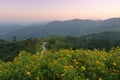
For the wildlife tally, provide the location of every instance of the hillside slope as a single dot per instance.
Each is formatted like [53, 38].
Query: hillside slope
[75, 27]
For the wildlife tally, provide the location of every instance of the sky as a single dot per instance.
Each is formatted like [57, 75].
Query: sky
[45, 10]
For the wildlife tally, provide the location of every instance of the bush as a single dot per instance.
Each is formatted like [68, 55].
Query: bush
[63, 65]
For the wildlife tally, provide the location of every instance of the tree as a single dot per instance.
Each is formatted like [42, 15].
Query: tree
[14, 39]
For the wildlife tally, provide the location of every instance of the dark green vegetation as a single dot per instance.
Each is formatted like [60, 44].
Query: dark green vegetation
[68, 42]
[8, 50]
[104, 35]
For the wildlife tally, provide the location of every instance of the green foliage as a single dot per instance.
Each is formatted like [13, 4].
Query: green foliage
[9, 50]
[14, 39]
[63, 65]
[68, 42]
[111, 35]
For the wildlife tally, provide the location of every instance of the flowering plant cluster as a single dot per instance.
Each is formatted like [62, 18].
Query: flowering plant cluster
[63, 65]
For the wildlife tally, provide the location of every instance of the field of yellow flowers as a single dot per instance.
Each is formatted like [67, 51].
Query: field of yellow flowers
[63, 65]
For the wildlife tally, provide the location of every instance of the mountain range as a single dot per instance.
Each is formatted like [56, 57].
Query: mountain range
[74, 27]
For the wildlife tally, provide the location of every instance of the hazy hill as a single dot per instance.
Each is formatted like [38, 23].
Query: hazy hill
[75, 27]
[103, 35]
[112, 24]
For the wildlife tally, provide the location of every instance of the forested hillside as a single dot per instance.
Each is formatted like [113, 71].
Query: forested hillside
[9, 50]
[103, 35]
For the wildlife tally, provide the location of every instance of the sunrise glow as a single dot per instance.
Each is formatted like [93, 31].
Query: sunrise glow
[43, 10]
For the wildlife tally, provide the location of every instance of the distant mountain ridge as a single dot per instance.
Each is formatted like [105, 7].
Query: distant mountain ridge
[75, 27]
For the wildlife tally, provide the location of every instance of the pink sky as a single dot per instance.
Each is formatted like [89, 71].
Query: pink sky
[43, 10]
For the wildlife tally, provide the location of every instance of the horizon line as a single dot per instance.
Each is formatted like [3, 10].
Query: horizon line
[49, 20]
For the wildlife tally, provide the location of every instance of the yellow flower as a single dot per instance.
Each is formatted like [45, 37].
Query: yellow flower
[77, 67]
[55, 61]
[66, 67]
[69, 55]
[83, 68]
[103, 71]
[62, 75]
[86, 53]
[114, 64]
[70, 66]
[37, 78]
[26, 66]
[114, 70]
[28, 73]
[59, 59]
[75, 61]
[33, 62]
[98, 67]
[100, 79]
[97, 62]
